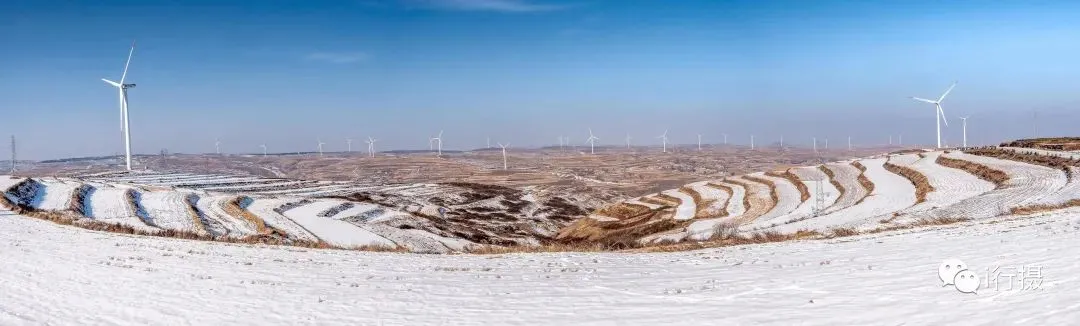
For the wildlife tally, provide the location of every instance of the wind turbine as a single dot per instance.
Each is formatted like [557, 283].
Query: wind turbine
[699, 142]
[217, 146]
[264, 149]
[939, 113]
[560, 142]
[826, 144]
[592, 142]
[663, 138]
[964, 120]
[751, 141]
[725, 139]
[320, 147]
[489, 142]
[849, 143]
[628, 141]
[781, 142]
[349, 142]
[504, 153]
[439, 140]
[124, 124]
[815, 144]
[371, 146]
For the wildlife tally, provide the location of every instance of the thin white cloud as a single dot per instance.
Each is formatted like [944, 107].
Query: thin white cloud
[337, 57]
[486, 5]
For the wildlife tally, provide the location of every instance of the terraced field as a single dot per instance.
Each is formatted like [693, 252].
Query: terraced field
[865, 195]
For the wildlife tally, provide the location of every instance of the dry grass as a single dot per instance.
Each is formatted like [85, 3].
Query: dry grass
[840, 232]
[774, 194]
[1050, 161]
[671, 200]
[1033, 209]
[1054, 143]
[997, 177]
[723, 210]
[804, 191]
[232, 207]
[615, 235]
[622, 210]
[922, 185]
[700, 204]
[863, 181]
[832, 179]
[655, 201]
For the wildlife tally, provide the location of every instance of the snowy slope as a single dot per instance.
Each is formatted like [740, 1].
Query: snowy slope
[891, 193]
[111, 205]
[336, 232]
[847, 176]
[264, 209]
[67, 276]
[686, 208]
[1027, 184]
[788, 198]
[212, 208]
[169, 210]
[57, 194]
[717, 198]
[950, 185]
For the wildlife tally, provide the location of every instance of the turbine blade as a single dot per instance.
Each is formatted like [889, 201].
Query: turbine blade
[923, 100]
[942, 113]
[942, 98]
[111, 82]
[130, 53]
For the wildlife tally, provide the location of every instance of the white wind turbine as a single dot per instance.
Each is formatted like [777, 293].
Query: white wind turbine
[964, 120]
[699, 142]
[592, 142]
[504, 153]
[217, 146]
[815, 144]
[939, 113]
[371, 146]
[663, 138]
[320, 147]
[264, 149]
[751, 141]
[124, 123]
[438, 140]
[348, 141]
[628, 141]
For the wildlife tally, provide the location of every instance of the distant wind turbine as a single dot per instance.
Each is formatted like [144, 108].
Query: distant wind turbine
[592, 142]
[698, 142]
[663, 138]
[264, 149]
[628, 141]
[751, 141]
[217, 146]
[124, 123]
[349, 142]
[725, 139]
[939, 113]
[371, 146]
[320, 147]
[849, 143]
[438, 144]
[964, 120]
[504, 153]
[815, 144]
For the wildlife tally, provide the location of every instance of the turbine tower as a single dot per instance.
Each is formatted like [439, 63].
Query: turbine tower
[592, 142]
[964, 123]
[264, 149]
[12, 154]
[699, 142]
[663, 138]
[849, 143]
[504, 154]
[348, 141]
[124, 125]
[781, 142]
[815, 144]
[628, 141]
[320, 146]
[939, 113]
[217, 146]
[371, 146]
[751, 141]
[725, 139]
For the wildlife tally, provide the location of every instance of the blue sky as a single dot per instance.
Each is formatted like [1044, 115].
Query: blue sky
[285, 72]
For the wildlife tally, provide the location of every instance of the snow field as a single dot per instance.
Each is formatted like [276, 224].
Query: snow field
[718, 198]
[887, 278]
[112, 205]
[760, 199]
[788, 198]
[335, 232]
[950, 185]
[264, 209]
[1071, 191]
[735, 206]
[169, 210]
[686, 208]
[891, 193]
[213, 209]
[1027, 183]
[7, 181]
[847, 176]
[812, 176]
[57, 194]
